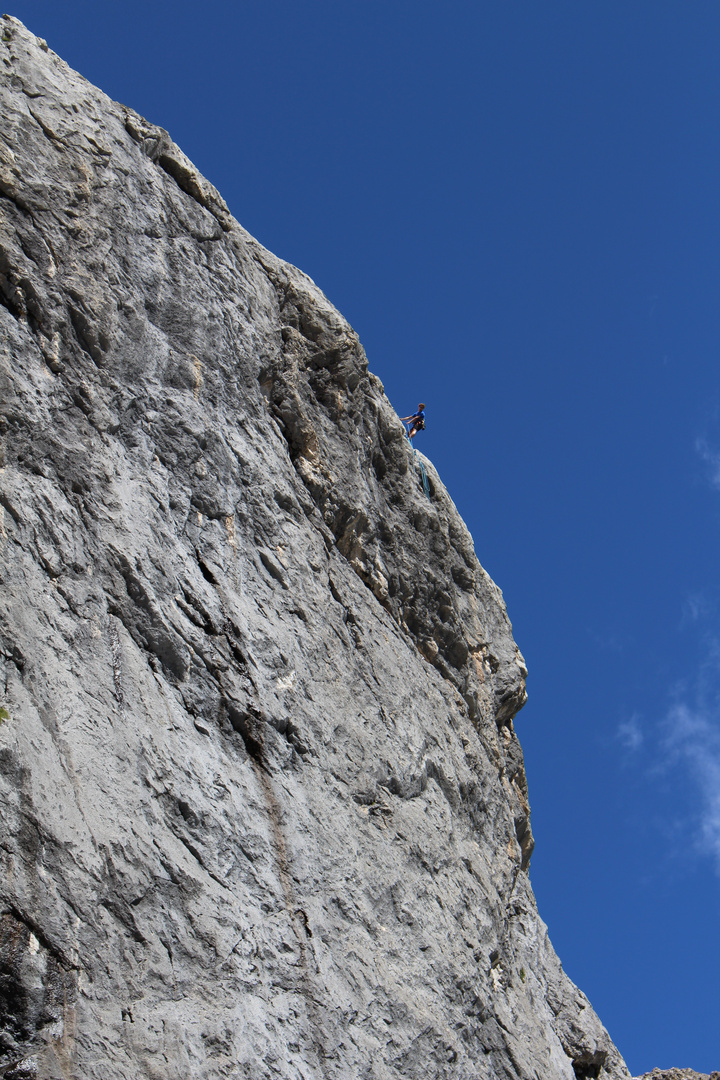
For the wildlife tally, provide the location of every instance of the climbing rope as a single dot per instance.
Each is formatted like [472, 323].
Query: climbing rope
[416, 459]
[426, 485]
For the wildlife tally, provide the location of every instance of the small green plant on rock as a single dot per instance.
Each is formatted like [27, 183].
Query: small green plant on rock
[522, 974]
[4, 714]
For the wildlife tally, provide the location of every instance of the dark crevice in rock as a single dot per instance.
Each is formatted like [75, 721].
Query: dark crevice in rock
[14, 308]
[47, 131]
[37, 985]
[525, 839]
[272, 567]
[19, 296]
[17, 200]
[123, 914]
[205, 569]
[34, 927]
[250, 728]
[588, 1065]
[85, 334]
[193, 608]
[12, 510]
[186, 180]
[154, 637]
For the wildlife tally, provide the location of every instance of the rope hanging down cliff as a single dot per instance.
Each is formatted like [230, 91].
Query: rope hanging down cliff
[425, 483]
[416, 423]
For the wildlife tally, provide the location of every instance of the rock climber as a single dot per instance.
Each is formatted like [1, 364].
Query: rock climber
[415, 423]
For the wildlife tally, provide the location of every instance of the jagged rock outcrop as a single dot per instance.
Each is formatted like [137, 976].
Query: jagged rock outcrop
[678, 1074]
[264, 810]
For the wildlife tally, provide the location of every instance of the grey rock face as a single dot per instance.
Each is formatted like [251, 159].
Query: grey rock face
[678, 1074]
[264, 810]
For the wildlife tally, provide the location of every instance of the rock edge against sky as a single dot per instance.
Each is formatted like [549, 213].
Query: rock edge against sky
[265, 809]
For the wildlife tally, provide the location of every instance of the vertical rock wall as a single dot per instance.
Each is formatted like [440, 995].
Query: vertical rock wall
[264, 810]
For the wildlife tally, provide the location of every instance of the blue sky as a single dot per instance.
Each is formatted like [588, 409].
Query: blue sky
[515, 204]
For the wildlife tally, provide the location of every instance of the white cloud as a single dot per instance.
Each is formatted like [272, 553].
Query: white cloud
[692, 741]
[630, 733]
[695, 607]
[687, 741]
[683, 750]
[712, 458]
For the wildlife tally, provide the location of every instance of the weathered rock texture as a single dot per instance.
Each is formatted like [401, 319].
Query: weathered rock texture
[264, 811]
[678, 1074]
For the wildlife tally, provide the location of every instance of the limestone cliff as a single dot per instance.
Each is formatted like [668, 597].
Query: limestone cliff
[678, 1074]
[264, 810]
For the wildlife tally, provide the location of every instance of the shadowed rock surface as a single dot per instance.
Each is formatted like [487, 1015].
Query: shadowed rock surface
[265, 812]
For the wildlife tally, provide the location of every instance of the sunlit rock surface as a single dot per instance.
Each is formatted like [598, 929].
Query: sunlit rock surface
[264, 810]
[678, 1074]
